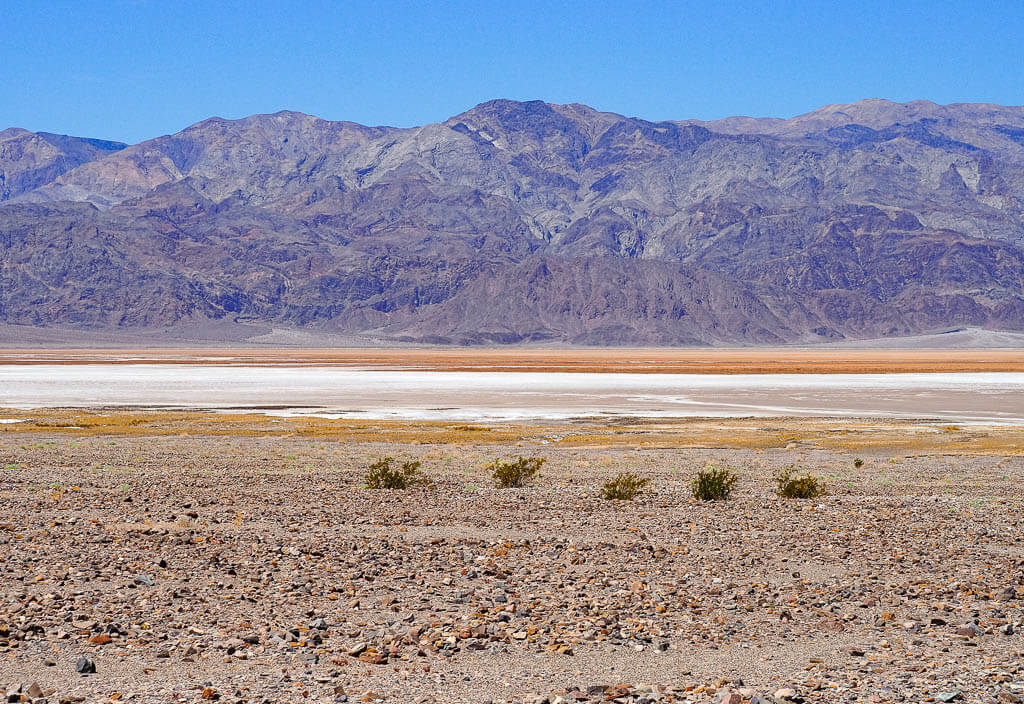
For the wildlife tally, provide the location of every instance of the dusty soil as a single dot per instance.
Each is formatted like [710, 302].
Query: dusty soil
[646, 360]
[197, 555]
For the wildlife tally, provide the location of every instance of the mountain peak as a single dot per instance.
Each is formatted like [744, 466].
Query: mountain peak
[531, 221]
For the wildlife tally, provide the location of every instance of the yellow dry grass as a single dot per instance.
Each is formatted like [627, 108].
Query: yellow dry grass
[896, 436]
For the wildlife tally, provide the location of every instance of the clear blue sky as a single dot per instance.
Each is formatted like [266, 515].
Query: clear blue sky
[134, 69]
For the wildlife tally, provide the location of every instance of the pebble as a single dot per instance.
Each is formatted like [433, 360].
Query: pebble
[284, 583]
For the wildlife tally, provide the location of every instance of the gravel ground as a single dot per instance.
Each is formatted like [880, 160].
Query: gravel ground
[251, 569]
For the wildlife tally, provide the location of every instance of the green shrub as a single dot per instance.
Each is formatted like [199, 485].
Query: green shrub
[791, 486]
[712, 484]
[513, 475]
[624, 487]
[858, 463]
[381, 475]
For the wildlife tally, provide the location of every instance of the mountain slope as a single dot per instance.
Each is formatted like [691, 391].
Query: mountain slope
[517, 222]
[29, 160]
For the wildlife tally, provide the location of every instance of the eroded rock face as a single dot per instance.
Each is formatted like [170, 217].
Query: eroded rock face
[517, 222]
[29, 160]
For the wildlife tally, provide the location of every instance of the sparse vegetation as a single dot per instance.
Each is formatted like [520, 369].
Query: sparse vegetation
[513, 475]
[382, 475]
[858, 463]
[791, 485]
[713, 484]
[624, 487]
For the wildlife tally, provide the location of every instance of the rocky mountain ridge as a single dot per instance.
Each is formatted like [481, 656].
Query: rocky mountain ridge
[29, 160]
[529, 222]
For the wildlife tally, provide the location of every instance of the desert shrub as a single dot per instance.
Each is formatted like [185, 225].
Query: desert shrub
[790, 485]
[858, 463]
[382, 475]
[513, 475]
[624, 487]
[712, 484]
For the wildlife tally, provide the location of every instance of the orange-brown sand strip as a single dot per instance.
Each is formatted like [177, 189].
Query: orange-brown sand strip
[649, 361]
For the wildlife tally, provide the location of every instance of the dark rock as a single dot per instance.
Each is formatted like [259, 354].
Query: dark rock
[85, 666]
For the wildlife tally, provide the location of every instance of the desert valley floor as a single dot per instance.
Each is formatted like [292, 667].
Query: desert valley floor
[191, 555]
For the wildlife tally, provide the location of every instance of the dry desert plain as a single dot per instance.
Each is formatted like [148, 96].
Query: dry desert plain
[194, 556]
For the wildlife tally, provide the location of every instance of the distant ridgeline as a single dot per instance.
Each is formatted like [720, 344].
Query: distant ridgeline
[527, 222]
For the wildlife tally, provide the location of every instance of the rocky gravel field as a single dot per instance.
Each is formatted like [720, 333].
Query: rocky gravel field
[257, 569]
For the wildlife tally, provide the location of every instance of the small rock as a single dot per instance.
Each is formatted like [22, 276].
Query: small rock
[950, 696]
[85, 666]
[969, 630]
[785, 693]
[373, 657]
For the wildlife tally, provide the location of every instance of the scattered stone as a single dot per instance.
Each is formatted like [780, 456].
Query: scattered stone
[265, 606]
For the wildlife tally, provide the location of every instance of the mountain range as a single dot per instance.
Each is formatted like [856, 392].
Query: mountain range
[527, 222]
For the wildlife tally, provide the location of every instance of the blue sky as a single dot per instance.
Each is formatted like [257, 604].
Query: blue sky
[135, 69]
